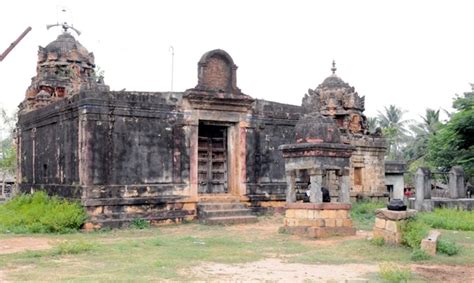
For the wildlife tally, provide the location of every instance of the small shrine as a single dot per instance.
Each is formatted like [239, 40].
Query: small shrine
[319, 153]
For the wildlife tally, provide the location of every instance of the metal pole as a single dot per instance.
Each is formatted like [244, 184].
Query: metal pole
[14, 43]
[172, 65]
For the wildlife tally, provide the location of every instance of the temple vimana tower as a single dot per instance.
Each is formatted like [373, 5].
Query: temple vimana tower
[168, 156]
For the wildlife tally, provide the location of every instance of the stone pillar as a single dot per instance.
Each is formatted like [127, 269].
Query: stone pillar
[290, 186]
[316, 179]
[398, 188]
[456, 183]
[422, 186]
[345, 194]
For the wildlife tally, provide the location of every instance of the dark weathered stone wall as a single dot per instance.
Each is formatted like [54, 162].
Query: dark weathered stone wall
[48, 149]
[135, 138]
[272, 125]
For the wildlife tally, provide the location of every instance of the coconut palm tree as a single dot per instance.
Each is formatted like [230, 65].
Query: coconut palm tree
[394, 129]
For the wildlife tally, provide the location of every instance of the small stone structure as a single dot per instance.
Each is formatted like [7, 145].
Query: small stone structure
[318, 220]
[388, 224]
[429, 243]
[456, 187]
[394, 181]
[317, 151]
[336, 99]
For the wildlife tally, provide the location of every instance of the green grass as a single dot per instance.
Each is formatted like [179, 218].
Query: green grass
[392, 272]
[169, 252]
[363, 214]
[449, 219]
[38, 213]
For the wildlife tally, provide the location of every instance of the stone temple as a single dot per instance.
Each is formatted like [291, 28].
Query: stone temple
[161, 155]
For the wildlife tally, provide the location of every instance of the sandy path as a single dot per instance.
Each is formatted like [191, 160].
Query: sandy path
[276, 270]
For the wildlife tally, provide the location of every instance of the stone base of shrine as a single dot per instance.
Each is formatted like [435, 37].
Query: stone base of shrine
[388, 224]
[318, 220]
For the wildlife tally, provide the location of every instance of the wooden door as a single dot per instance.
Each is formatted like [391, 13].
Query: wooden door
[212, 159]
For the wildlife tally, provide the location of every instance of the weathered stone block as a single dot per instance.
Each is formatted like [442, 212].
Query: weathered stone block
[380, 223]
[290, 213]
[428, 244]
[328, 214]
[310, 222]
[342, 213]
[330, 222]
[347, 222]
[339, 222]
[301, 213]
[384, 213]
[391, 226]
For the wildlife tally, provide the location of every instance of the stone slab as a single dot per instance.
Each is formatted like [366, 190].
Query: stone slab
[319, 206]
[386, 214]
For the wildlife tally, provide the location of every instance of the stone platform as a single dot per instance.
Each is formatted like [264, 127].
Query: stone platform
[318, 220]
[388, 224]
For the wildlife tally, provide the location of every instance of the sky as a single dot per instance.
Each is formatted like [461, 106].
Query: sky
[413, 54]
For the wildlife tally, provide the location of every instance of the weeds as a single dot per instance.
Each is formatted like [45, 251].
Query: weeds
[38, 213]
[419, 255]
[449, 219]
[413, 231]
[73, 247]
[391, 272]
[447, 247]
[139, 223]
[363, 214]
[378, 241]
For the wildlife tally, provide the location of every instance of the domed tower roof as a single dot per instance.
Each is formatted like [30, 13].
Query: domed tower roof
[316, 128]
[337, 99]
[64, 68]
[333, 81]
[66, 48]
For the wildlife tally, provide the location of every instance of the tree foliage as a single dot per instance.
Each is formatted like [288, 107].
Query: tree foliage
[453, 143]
[394, 130]
[7, 148]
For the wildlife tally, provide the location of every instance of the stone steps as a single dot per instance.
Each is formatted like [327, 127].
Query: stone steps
[224, 213]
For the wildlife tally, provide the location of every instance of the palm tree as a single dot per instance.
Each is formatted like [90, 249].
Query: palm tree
[421, 133]
[394, 129]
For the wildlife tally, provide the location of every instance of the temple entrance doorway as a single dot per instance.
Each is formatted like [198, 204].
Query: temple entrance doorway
[212, 158]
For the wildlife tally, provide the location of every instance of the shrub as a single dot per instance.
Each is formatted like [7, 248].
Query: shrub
[363, 213]
[413, 231]
[139, 223]
[38, 213]
[391, 272]
[419, 255]
[449, 219]
[75, 247]
[447, 247]
[378, 241]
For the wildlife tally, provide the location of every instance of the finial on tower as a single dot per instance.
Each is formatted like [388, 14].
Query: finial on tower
[333, 69]
[64, 25]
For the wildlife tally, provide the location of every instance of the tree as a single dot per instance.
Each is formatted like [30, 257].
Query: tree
[453, 144]
[394, 130]
[7, 148]
[421, 133]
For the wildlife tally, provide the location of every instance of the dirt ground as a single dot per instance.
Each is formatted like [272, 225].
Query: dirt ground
[275, 269]
[14, 245]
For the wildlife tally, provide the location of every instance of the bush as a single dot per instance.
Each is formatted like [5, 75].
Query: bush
[378, 241]
[449, 219]
[391, 272]
[75, 247]
[139, 223]
[419, 255]
[38, 213]
[447, 247]
[413, 231]
[363, 213]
